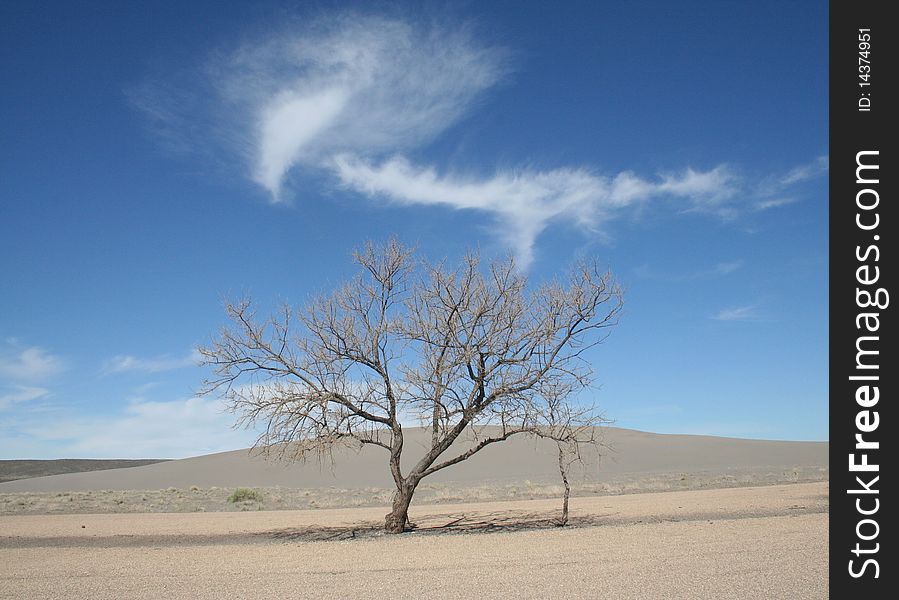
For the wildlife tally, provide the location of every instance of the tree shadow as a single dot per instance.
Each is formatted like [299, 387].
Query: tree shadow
[444, 524]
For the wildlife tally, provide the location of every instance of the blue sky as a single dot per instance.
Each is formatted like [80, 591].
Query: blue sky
[159, 158]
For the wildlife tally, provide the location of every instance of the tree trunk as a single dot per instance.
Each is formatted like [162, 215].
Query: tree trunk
[398, 517]
[435, 425]
[563, 520]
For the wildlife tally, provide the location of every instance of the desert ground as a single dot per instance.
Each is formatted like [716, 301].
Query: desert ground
[658, 517]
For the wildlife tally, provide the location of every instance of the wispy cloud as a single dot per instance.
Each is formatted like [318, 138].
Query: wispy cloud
[720, 269]
[523, 203]
[738, 313]
[726, 268]
[124, 363]
[774, 191]
[19, 394]
[802, 173]
[350, 83]
[351, 98]
[707, 191]
[774, 203]
[143, 429]
[28, 364]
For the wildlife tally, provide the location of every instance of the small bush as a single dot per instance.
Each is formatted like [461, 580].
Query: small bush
[245, 495]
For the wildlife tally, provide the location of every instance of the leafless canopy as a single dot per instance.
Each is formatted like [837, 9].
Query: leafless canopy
[457, 348]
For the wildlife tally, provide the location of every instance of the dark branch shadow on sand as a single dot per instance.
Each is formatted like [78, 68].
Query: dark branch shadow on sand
[509, 521]
[451, 523]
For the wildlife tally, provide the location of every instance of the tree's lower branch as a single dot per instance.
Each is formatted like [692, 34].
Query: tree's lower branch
[372, 442]
[471, 452]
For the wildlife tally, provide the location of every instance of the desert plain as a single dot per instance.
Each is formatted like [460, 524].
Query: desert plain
[658, 516]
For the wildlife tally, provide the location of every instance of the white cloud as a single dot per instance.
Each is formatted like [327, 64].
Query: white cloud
[286, 126]
[124, 363]
[524, 202]
[145, 429]
[738, 313]
[774, 203]
[772, 191]
[721, 269]
[802, 173]
[344, 95]
[20, 393]
[28, 364]
[726, 268]
[707, 191]
[355, 83]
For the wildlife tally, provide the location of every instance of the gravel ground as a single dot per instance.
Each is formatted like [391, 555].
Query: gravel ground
[762, 542]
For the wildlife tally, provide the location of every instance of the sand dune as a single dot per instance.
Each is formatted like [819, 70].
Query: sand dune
[629, 454]
[10, 470]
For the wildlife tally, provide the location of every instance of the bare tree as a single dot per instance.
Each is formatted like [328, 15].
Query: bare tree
[469, 349]
[572, 428]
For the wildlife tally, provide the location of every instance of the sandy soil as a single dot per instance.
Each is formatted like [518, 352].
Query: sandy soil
[760, 542]
[215, 499]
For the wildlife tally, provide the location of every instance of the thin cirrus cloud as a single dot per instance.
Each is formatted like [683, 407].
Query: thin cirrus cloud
[355, 84]
[126, 363]
[28, 364]
[525, 202]
[17, 394]
[720, 269]
[738, 313]
[774, 191]
[802, 173]
[726, 268]
[775, 202]
[168, 429]
[351, 96]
